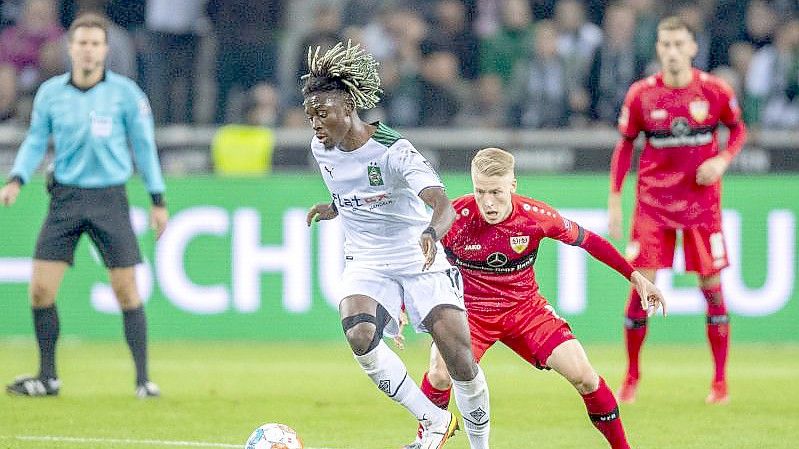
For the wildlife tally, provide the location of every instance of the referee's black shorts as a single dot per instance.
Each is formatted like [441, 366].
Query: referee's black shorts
[102, 213]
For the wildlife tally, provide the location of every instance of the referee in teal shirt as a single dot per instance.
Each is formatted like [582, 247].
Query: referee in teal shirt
[92, 114]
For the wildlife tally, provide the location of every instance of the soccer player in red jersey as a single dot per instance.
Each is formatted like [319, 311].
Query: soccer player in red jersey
[679, 110]
[494, 243]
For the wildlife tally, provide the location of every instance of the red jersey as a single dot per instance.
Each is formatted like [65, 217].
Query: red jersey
[497, 260]
[680, 125]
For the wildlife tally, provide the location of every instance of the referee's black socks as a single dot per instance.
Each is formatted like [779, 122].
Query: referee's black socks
[135, 324]
[45, 323]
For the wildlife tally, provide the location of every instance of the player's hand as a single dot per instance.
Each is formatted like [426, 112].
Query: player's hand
[614, 216]
[158, 218]
[429, 249]
[651, 297]
[321, 211]
[9, 193]
[710, 171]
[399, 340]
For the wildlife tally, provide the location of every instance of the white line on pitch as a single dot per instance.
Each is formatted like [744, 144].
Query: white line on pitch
[81, 440]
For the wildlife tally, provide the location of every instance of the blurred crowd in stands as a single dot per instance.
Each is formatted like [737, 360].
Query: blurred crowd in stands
[491, 63]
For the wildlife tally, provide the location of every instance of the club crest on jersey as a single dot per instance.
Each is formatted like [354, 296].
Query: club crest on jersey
[519, 243]
[699, 110]
[374, 174]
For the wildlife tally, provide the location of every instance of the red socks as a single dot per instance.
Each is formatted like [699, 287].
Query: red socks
[718, 329]
[604, 413]
[439, 397]
[634, 332]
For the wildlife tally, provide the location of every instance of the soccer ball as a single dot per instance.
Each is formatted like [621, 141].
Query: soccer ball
[274, 436]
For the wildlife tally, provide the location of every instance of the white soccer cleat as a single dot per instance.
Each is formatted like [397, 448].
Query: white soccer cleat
[434, 437]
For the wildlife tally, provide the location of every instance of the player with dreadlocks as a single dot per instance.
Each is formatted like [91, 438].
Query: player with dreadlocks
[380, 185]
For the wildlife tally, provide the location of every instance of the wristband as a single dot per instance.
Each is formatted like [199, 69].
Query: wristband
[158, 199]
[432, 231]
[15, 178]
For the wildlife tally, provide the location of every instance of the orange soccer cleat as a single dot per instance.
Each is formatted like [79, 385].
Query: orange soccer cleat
[718, 393]
[627, 391]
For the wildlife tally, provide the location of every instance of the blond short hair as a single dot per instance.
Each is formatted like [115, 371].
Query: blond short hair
[493, 162]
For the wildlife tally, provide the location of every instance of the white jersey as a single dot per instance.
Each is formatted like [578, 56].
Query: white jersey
[376, 190]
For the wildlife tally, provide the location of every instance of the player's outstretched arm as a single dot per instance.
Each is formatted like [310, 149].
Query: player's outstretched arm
[619, 167]
[602, 250]
[443, 217]
[321, 211]
[651, 297]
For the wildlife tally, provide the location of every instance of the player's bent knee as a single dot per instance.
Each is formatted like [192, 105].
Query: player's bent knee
[463, 370]
[586, 381]
[41, 295]
[360, 337]
[364, 330]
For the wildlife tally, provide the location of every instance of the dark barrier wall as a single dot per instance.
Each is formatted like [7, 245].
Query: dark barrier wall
[238, 262]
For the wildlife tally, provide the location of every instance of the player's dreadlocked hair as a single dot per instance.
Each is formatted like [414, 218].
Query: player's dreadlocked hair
[349, 69]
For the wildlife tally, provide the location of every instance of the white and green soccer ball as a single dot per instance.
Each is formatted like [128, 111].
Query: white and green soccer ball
[274, 436]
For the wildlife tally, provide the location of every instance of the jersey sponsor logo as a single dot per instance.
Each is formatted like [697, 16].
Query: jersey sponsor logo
[681, 134]
[375, 177]
[519, 243]
[496, 260]
[699, 110]
[475, 247]
[369, 202]
[680, 127]
[658, 114]
[494, 263]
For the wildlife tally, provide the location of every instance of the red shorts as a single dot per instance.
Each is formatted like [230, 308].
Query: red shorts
[533, 332]
[653, 246]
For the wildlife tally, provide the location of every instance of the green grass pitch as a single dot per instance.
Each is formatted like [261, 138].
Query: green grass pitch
[215, 394]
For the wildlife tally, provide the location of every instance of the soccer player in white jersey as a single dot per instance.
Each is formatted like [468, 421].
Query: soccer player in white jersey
[380, 187]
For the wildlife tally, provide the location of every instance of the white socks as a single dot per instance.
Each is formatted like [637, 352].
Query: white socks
[388, 372]
[472, 399]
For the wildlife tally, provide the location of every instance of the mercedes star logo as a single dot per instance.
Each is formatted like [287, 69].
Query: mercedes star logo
[496, 260]
[680, 127]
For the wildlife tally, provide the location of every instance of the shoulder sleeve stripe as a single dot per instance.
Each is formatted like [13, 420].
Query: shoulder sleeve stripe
[386, 135]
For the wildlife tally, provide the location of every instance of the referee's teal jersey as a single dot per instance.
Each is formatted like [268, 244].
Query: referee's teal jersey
[91, 130]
